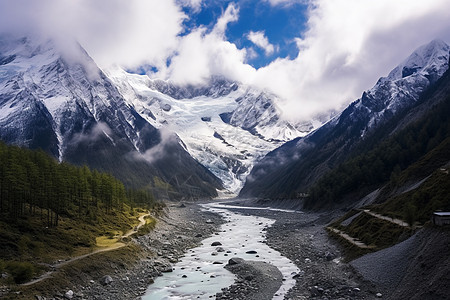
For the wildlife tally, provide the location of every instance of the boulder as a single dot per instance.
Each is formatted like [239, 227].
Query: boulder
[105, 280]
[166, 107]
[235, 261]
[68, 294]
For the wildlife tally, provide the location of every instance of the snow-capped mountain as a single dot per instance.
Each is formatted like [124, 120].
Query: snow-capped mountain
[225, 125]
[59, 100]
[404, 84]
[53, 96]
[296, 165]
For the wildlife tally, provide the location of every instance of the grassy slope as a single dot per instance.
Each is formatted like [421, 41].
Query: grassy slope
[30, 241]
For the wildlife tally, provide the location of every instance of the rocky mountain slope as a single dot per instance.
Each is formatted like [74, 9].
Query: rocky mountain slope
[224, 125]
[53, 96]
[59, 100]
[290, 170]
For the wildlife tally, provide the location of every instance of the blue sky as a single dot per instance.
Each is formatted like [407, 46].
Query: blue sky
[281, 24]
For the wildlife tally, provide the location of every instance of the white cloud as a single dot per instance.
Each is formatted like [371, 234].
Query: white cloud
[348, 46]
[231, 14]
[202, 54]
[285, 2]
[251, 53]
[129, 33]
[168, 139]
[259, 39]
[196, 5]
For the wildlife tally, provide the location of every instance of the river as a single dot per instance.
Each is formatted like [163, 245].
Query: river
[200, 274]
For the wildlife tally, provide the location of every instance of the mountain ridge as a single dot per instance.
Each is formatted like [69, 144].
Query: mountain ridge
[73, 111]
[301, 162]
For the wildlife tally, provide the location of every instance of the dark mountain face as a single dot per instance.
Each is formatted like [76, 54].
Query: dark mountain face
[295, 166]
[68, 107]
[217, 87]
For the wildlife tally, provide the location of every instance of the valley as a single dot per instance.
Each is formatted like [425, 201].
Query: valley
[115, 184]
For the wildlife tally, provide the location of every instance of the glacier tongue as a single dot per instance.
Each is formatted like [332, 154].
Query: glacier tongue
[228, 147]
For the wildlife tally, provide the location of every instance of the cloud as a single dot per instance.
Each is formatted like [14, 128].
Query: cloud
[259, 39]
[98, 131]
[159, 151]
[346, 47]
[349, 44]
[196, 5]
[203, 53]
[286, 2]
[129, 33]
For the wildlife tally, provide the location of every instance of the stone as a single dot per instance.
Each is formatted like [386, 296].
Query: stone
[198, 235]
[251, 252]
[329, 256]
[105, 280]
[217, 263]
[166, 107]
[316, 291]
[216, 244]
[235, 261]
[379, 295]
[68, 294]
[220, 249]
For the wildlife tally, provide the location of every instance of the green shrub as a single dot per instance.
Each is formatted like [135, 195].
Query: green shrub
[20, 271]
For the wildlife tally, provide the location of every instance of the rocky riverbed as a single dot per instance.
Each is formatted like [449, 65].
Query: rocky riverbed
[299, 237]
[302, 238]
[182, 227]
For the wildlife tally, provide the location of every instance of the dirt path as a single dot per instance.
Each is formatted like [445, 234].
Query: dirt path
[352, 240]
[389, 219]
[111, 247]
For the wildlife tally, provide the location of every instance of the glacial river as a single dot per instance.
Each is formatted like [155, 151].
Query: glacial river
[198, 275]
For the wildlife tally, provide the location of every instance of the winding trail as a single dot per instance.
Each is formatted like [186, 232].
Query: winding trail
[389, 219]
[352, 240]
[114, 246]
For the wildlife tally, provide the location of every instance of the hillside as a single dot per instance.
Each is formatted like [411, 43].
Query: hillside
[425, 139]
[51, 210]
[296, 167]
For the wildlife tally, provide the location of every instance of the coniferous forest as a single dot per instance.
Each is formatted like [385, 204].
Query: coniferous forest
[34, 184]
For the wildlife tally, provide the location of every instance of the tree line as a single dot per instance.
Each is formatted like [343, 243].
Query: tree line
[33, 183]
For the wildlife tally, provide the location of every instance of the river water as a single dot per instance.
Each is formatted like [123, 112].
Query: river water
[200, 274]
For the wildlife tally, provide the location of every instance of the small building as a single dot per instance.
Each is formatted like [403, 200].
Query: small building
[441, 218]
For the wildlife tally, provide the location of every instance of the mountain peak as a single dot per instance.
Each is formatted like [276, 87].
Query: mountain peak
[430, 60]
